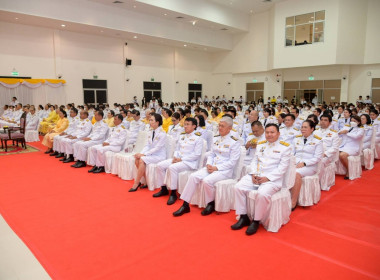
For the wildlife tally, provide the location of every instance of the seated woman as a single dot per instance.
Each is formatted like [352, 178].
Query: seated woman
[48, 123]
[308, 150]
[110, 118]
[366, 123]
[153, 152]
[351, 142]
[61, 126]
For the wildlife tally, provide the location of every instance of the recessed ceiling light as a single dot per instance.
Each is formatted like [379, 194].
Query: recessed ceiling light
[185, 45]
[205, 49]
[179, 17]
[101, 31]
[134, 6]
[194, 22]
[251, 11]
[165, 14]
[135, 37]
[16, 18]
[63, 25]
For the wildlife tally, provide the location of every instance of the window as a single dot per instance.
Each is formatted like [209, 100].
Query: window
[305, 29]
[195, 91]
[94, 92]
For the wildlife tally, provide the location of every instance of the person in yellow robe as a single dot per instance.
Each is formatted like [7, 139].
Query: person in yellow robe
[48, 123]
[167, 114]
[61, 126]
[110, 118]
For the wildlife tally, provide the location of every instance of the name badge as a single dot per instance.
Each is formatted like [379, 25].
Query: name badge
[226, 146]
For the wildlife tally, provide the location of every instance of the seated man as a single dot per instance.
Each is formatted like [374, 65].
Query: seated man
[97, 136]
[57, 144]
[82, 129]
[271, 160]
[253, 138]
[32, 122]
[114, 143]
[224, 156]
[136, 125]
[186, 157]
[289, 131]
[330, 140]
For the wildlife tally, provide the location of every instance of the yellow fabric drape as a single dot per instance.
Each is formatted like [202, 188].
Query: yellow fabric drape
[166, 123]
[10, 81]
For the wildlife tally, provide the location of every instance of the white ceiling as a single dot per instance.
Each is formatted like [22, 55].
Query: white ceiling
[151, 21]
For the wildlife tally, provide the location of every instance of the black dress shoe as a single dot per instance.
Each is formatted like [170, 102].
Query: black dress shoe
[243, 222]
[253, 227]
[100, 169]
[54, 154]
[75, 164]
[69, 159]
[48, 151]
[172, 198]
[162, 192]
[93, 169]
[209, 209]
[63, 159]
[346, 178]
[143, 186]
[80, 164]
[59, 155]
[182, 210]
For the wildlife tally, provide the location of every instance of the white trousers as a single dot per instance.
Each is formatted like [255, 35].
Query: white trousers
[67, 145]
[57, 146]
[97, 154]
[263, 198]
[208, 180]
[167, 173]
[81, 147]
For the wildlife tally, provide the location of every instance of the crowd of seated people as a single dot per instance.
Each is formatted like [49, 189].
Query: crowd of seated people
[315, 135]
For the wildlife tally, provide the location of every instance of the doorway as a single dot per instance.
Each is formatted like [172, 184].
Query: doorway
[94, 92]
[195, 91]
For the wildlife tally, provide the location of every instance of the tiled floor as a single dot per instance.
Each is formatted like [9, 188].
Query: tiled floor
[16, 261]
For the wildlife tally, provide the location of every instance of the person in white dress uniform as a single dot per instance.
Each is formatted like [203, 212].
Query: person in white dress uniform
[175, 129]
[57, 144]
[247, 128]
[153, 152]
[32, 122]
[186, 157]
[351, 142]
[98, 135]
[345, 120]
[82, 129]
[114, 143]
[298, 120]
[224, 156]
[271, 160]
[368, 128]
[135, 127]
[330, 140]
[289, 131]
[375, 121]
[308, 150]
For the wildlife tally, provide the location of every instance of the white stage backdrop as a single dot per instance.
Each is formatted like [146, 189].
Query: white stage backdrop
[36, 96]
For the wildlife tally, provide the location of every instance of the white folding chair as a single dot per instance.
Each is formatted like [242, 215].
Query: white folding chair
[209, 139]
[368, 156]
[124, 163]
[224, 190]
[110, 157]
[310, 192]
[32, 135]
[150, 172]
[327, 173]
[281, 202]
[354, 165]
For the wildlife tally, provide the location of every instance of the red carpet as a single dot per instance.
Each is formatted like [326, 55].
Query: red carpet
[87, 226]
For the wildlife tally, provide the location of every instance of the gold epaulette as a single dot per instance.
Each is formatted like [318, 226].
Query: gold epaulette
[251, 133]
[198, 133]
[123, 126]
[216, 135]
[87, 120]
[184, 132]
[262, 142]
[295, 128]
[234, 138]
[104, 121]
[234, 130]
[284, 143]
[317, 137]
[299, 135]
[333, 130]
[203, 127]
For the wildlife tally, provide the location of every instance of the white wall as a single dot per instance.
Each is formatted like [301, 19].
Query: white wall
[372, 39]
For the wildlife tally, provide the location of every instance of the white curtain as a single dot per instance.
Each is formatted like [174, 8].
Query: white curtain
[45, 93]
